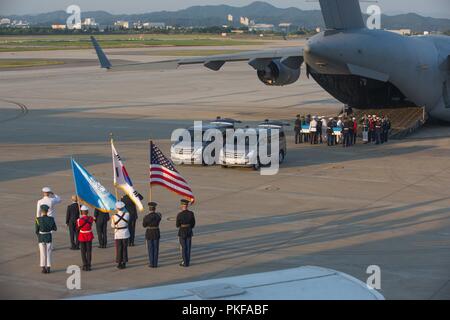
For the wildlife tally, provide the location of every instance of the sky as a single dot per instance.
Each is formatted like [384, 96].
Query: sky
[434, 8]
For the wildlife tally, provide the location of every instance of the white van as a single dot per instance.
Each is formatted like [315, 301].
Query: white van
[183, 152]
[232, 156]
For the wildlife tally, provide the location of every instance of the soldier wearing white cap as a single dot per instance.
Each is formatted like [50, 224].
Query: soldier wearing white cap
[49, 199]
[119, 222]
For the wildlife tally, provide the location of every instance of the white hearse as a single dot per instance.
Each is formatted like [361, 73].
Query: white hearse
[236, 155]
[187, 152]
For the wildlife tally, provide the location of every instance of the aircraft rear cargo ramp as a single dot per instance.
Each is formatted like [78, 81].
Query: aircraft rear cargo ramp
[303, 283]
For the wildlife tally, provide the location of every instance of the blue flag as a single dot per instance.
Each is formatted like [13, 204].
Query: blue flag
[90, 191]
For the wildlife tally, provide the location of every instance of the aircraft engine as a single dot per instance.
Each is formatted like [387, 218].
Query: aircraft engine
[277, 73]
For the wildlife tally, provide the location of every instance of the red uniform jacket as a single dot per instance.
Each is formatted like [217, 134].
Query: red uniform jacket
[84, 225]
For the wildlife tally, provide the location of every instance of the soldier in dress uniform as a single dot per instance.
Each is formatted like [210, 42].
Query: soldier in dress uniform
[185, 222]
[72, 215]
[44, 225]
[101, 224]
[152, 235]
[119, 222]
[132, 210]
[330, 137]
[298, 129]
[378, 130]
[84, 225]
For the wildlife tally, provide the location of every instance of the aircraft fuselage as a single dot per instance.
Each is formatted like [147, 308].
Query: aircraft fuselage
[375, 69]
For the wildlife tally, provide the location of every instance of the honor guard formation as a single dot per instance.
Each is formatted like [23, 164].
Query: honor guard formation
[341, 130]
[123, 222]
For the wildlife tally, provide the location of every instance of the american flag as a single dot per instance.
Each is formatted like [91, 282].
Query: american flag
[163, 173]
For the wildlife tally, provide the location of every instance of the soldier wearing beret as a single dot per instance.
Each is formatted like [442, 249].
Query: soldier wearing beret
[44, 225]
[185, 223]
[152, 235]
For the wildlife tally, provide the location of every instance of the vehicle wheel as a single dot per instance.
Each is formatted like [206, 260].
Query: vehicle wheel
[257, 165]
[281, 157]
[224, 166]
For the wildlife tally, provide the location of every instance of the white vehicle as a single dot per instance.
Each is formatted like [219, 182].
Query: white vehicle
[185, 152]
[249, 156]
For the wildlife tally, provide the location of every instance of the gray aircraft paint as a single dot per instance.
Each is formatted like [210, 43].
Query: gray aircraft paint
[416, 69]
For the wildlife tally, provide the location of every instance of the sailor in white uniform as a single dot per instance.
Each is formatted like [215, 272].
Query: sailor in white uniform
[119, 222]
[49, 199]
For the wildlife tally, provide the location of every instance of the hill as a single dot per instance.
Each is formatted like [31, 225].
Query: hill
[260, 12]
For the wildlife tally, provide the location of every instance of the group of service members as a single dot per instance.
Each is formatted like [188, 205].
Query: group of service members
[123, 222]
[341, 130]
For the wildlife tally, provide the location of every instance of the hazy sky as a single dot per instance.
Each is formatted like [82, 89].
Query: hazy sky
[435, 8]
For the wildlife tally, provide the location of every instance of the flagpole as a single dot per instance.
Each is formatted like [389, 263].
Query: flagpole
[114, 182]
[76, 189]
[150, 173]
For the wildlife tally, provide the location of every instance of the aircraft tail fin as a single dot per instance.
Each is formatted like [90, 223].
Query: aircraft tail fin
[342, 14]
[104, 62]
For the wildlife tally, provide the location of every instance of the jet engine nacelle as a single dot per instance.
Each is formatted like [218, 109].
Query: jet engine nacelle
[280, 72]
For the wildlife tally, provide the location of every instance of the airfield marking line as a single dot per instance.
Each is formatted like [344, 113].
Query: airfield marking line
[439, 290]
[23, 110]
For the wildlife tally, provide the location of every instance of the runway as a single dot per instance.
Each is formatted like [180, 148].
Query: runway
[344, 209]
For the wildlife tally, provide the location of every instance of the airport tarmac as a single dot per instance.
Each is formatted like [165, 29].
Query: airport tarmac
[345, 209]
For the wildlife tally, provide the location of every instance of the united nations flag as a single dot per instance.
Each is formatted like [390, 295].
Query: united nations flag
[90, 191]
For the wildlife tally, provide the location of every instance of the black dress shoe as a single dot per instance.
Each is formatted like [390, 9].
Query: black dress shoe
[88, 268]
[44, 270]
[48, 269]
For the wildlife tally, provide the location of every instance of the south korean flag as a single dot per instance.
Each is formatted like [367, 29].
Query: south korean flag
[122, 180]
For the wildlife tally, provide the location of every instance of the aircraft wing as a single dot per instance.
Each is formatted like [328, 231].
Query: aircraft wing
[257, 59]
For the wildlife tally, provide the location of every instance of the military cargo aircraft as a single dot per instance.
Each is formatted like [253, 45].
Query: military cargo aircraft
[360, 67]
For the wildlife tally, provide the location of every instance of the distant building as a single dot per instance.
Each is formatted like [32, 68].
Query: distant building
[154, 25]
[138, 25]
[5, 21]
[262, 27]
[122, 24]
[403, 32]
[244, 21]
[230, 18]
[20, 24]
[59, 26]
[285, 26]
[89, 23]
